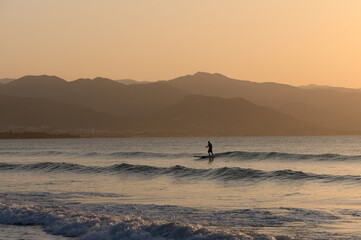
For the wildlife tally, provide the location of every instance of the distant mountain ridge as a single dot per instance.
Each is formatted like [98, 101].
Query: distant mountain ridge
[201, 104]
[100, 94]
[328, 108]
[314, 86]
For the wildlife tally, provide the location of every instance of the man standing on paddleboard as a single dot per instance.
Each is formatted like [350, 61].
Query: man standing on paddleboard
[210, 150]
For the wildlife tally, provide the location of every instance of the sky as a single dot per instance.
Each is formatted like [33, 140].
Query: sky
[297, 42]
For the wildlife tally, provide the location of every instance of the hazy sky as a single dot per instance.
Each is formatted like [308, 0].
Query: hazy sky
[297, 42]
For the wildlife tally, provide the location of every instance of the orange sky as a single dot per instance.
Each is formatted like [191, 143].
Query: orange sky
[297, 42]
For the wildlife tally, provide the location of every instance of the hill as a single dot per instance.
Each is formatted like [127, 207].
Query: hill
[193, 105]
[100, 94]
[192, 116]
[205, 116]
[328, 108]
[314, 86]
[34, 112]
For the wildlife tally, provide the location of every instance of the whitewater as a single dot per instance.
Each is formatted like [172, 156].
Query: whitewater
[275, 188]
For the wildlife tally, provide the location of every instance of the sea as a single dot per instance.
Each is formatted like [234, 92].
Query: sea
[272, 188]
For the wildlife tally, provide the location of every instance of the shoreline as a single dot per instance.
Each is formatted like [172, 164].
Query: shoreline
[44, 135]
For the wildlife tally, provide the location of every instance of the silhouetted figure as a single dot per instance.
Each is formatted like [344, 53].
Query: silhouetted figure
[210, 150]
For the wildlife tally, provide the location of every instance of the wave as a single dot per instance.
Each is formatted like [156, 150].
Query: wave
[131, 221]
[90, 226]
[178, 171]
[147, 155]
[234, 155]
[37, 153]
[241, 155]
[118, 154]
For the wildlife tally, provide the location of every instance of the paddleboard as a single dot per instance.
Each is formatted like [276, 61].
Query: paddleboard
[204, 156]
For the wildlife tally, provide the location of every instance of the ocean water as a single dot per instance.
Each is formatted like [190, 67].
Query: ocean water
[154, 188]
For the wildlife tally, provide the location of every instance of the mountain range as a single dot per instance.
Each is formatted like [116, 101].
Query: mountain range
[201, 104]
[330, 108]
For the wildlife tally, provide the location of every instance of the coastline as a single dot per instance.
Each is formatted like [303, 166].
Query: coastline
[35, 135]
[45, 135]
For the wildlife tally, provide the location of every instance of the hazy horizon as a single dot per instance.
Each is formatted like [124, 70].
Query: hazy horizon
[292, 42]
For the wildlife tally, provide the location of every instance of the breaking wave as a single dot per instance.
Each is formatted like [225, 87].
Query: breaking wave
[91, 226]
[131, 221]
[234, 155]
[285, 156]
[178, 171]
